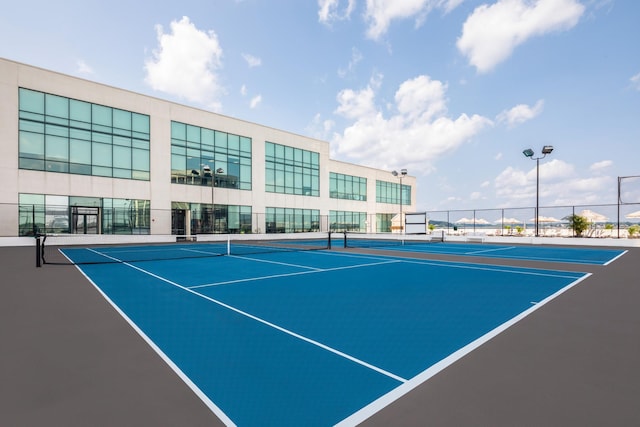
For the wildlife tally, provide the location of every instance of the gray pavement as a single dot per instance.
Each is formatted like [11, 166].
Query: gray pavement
[67, 358]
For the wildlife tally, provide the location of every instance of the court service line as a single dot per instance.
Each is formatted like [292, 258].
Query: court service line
[489, 250]
[515, 270]
[297, 273]
[270, 324]
[275, 262]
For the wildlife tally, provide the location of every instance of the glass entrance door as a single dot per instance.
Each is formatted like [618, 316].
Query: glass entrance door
[84, 220]
[178, 222]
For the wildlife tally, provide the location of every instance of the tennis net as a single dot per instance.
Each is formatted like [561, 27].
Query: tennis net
[379, 240]
[207, 246]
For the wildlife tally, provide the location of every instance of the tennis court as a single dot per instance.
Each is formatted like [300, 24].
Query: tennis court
[561, 254]
[312, 337]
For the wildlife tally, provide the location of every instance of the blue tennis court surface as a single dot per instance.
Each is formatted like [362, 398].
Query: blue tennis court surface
[316, 338]
[594, 256]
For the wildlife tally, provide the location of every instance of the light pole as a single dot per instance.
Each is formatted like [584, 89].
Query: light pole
[401, 174]
[209, 173]
[547, 149]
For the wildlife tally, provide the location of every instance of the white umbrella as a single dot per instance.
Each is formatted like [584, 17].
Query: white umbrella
[482, 221]
[633, 215]
[593, 216]
[507, 221]
[545, 219]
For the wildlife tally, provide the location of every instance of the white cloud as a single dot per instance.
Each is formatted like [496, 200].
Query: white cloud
[520, 114]
[635, 81]
[243, 90]
[255, 101]
[498, 156]
[492, 32]
[416, 133]
[329, 10]
[356, 57]
[320, 128]
[83, 67]
[476, 195]
[600, 166]
[252, 61]
[560, 185]
[186, 63]
[380, 13]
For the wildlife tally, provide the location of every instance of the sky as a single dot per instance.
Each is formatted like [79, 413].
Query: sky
[451, 90]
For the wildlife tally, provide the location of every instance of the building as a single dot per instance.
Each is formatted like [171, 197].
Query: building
[80, 157]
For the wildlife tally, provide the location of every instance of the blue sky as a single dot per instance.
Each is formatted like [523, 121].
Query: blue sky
[452, 90]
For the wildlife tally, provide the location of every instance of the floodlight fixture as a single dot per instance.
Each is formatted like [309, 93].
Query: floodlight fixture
[401, 174]
[547, 149]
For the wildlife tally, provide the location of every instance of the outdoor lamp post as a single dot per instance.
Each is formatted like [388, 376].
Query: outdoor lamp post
[209, 173]
[401, 174]
[547, 149]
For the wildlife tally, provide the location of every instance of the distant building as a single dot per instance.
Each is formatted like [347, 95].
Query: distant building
[85, 158]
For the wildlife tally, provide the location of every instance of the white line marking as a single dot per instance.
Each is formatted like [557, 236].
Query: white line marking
[250, 279]
[610, 261]
[274, 262]
[205, 399]
[489, 250]
[273, 325]
[395, 394]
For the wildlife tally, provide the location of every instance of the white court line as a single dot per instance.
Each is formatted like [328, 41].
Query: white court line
[297, 273]
[274, 262]
[265, 322]
[511, 270]
[395, 394]
[467, 265]
[610, 261]
[198, 392]
[489, 250]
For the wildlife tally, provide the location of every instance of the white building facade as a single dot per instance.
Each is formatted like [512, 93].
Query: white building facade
[80, 157]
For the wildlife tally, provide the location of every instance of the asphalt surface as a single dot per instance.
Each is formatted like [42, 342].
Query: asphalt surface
[67, 358]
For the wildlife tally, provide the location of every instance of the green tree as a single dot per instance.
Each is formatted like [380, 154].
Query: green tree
[578, 224]
[633, 230]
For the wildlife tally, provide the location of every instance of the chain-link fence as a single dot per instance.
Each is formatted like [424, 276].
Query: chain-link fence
[604, 220]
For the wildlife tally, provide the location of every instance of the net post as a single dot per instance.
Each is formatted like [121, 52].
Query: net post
[345, 238]
[38, 258]
[228, 245]
[329, 241]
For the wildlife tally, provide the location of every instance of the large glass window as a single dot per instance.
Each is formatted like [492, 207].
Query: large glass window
[389, 192]
[347, 221]
[292, 220]
[292, 170]
[227, 219]
[59, 134]
[40, 213]
[347, 187]
[201, 156]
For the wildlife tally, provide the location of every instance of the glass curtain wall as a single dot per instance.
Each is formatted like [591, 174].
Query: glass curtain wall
[292, 170]
[201, 156]
[347, 187]
[59, 134]
[40, 213]
[292, 220]
[347, 221]
[391, 192]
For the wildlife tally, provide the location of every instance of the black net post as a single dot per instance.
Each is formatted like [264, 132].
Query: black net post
[38, 258]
